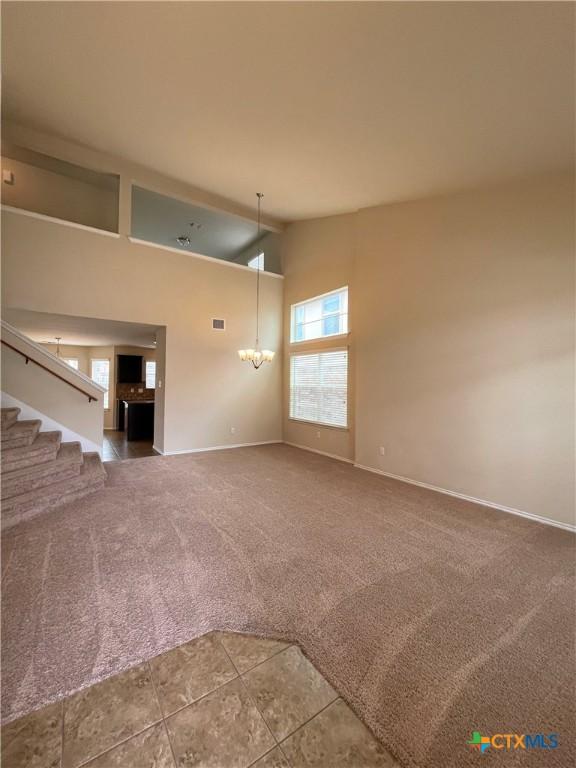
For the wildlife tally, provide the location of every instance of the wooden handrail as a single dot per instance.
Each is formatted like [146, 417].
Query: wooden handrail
[28, 358]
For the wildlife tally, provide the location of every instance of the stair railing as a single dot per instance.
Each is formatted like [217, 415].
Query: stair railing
[26, 342]
[45, 368]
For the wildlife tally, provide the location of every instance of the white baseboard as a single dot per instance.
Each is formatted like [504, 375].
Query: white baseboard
[322, 453]
[213, 448]
[482, 502]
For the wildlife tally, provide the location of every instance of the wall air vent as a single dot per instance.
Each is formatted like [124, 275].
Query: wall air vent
[218, 325]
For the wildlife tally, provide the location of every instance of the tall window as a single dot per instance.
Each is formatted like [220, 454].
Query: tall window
[150, 374]
[257, 262]
[319, 387]
[319, 317]
[72, 362]
[100, 373]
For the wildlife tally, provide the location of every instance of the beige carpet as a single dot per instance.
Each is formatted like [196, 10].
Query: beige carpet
[432, 616]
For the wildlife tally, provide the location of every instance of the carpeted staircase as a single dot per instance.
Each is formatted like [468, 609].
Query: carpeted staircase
[40, 472]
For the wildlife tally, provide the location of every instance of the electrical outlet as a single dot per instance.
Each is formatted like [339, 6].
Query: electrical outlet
[318, 435]
[232, 430]
[382, 450]
[131, 389]
[140, 390]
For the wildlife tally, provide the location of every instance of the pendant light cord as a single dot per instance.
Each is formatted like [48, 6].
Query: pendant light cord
[259, 195]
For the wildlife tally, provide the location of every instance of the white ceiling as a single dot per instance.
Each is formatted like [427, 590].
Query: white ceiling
[326, 107]
[82, 331]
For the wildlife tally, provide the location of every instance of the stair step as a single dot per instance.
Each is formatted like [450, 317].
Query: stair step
[9, 416]
[21, 433]
[44, 448]
[67, 463]
[91, 478]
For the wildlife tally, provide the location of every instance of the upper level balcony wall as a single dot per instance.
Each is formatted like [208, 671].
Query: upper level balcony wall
[210, 397]
[175, 223]
[17, 135]
[50, 186]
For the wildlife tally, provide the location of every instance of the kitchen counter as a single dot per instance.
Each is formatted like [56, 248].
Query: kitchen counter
[136, 418]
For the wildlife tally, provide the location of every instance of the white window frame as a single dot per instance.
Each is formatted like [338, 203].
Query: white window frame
[146, 364]
[323, 351]
[107, 393]
[293, 324]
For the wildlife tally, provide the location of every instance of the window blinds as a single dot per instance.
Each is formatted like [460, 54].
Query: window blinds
[319, 387]
[150, 374]
[100, 373]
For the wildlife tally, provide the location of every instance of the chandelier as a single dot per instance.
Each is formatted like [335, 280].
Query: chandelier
[257, 356]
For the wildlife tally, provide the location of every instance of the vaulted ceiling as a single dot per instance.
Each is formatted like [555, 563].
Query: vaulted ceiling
[327, 107]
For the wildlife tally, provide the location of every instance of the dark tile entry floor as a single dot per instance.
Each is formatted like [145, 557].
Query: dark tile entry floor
[223, 700]
[116, 447]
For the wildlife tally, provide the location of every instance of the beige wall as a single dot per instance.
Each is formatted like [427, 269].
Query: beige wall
[466, 344]
[50, 267]
[160, 388]
[318, 256]
[54, 194]
[462, 339]
[74, 351]
[84, 355]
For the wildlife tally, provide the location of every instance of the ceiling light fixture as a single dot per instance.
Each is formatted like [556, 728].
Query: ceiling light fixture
[58, 340]
[184, 240]
[257, 356]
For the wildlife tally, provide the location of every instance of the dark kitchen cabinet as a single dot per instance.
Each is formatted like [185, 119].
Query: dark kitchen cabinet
[130, 369]
[136, 418]
[121, 415]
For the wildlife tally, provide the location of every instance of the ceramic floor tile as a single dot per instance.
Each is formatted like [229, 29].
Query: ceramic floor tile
[274, 759]
[336, 738]
[33, 741]
[222, 730]
[288, 690]
[99, 717]
[150, 749]
[184, 674]
[117, 447]
[247, 650]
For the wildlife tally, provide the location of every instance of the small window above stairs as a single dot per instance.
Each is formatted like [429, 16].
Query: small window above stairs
[39, 472]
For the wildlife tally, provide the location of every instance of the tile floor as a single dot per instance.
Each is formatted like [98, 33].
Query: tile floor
[115, 447]
[221, 701]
